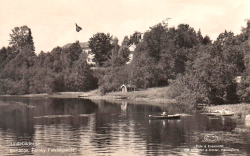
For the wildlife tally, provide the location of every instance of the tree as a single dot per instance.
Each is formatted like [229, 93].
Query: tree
[116, 47]
[120, 54]
[126, 41]
[113, 78]
[246, 31]
[17, 71]
[42, 80]
[124, 50]
[186, 36]
[100, 45]
[144, 72]
[206, 40]
[123, 56]
[154, 40]
[135, 38]
[20, 37]
[114, 52]
[230, 49]
[79, 77]
[210, 79]
[3, 57]
[243, 89]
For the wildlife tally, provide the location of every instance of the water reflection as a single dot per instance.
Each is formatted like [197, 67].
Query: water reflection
[103, 128]
[124, 106]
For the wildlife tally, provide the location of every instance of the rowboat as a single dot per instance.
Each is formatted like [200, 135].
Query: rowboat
[82, 96]
[165, 117]
[120, 97]
[220, 113]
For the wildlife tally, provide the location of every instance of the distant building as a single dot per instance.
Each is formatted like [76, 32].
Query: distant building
[238, 79]
[242, 79]
[85, 49]
[131, 54]
[90, 56]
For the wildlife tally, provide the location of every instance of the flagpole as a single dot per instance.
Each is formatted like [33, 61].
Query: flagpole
[75, 36]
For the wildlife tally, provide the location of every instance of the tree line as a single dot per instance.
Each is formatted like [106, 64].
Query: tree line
[24, 72]
[197, 69]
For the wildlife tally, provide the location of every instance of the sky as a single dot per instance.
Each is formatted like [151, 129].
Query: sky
[52, 22]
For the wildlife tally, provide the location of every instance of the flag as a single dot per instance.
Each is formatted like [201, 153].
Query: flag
[78, 28]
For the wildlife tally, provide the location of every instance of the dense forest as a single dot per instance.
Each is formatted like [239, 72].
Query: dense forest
[196, 69]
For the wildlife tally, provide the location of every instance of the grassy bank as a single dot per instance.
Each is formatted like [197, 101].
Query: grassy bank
[150, 95]
[154, 95]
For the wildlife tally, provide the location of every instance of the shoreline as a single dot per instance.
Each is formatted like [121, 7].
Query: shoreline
[154, 96]
[150, 95]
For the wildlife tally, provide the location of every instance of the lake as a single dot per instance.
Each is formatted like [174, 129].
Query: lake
[61, 126]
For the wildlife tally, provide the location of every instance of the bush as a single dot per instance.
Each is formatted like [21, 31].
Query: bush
[113, 78]
[188, 90]
[243, 89]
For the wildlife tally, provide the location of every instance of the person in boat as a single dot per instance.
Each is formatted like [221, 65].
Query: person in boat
[164, 113]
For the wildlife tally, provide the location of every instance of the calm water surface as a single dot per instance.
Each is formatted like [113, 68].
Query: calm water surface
[53, 126]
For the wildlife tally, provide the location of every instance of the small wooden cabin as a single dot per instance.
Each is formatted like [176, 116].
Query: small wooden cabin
[128, 88]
